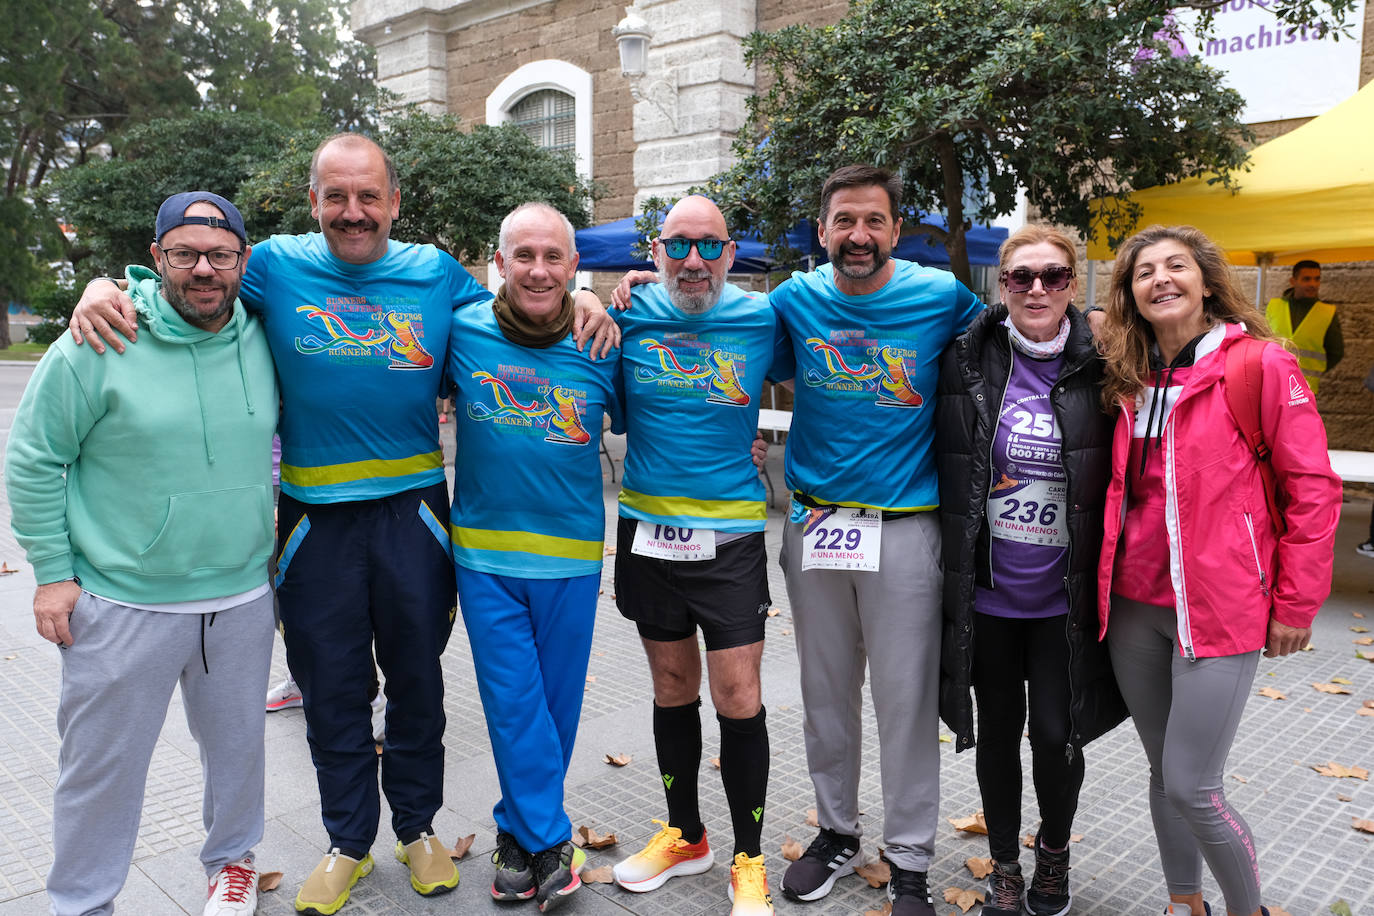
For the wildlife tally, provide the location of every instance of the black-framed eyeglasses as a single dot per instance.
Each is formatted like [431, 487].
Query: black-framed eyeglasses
[187, 258]
[1022, 279]
[678, 248]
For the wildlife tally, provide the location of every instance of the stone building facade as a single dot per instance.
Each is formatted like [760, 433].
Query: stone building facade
[492, 61]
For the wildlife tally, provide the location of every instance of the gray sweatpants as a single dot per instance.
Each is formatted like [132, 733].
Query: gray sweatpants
[890, 620]
[1187, 713]
[117, 679]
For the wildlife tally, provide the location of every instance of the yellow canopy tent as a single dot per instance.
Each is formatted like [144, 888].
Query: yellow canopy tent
[1308, 194]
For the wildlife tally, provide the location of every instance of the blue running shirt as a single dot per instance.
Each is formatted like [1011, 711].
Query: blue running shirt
[866, 367]
[692, 385]
[527, 498]
[359, 350]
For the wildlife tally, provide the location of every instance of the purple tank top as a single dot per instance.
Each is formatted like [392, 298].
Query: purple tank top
[1027, 506]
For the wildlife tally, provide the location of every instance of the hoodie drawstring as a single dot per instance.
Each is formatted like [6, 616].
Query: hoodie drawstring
[203, 660]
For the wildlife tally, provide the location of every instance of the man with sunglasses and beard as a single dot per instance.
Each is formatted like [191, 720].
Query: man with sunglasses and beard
[861, 549]
[690, 551]
[141, 489]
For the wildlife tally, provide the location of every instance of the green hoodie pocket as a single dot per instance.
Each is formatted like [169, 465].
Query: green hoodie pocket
[214, 529]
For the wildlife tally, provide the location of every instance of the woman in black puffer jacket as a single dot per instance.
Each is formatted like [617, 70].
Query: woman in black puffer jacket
[1024, 456]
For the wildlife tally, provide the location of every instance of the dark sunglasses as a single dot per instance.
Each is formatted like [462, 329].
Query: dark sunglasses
[678, 249]
[1022, 279]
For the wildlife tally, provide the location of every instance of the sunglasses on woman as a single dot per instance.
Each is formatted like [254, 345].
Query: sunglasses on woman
[1022, 279]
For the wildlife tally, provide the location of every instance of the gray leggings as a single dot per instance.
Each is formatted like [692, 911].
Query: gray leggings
[1186, 713]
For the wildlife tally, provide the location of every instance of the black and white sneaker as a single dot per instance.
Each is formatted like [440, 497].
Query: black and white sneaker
[1366, 549]
[909, 893]
[829, 857]
[1048, 894]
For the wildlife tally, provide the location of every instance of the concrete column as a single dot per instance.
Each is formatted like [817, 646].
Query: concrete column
[690, 103]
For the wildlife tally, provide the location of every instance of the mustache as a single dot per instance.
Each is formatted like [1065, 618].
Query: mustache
[851, 248]
[353, 224]
[686, 274]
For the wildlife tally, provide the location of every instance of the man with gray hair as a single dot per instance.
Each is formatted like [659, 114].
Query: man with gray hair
[359, 326]
[527, 540]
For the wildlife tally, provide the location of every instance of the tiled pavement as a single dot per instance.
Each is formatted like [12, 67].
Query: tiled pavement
[1309, 854]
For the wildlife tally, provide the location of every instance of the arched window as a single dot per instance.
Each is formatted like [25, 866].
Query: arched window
[548, 117]
[551, 101]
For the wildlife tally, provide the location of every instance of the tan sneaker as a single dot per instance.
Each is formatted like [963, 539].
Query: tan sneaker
[431, 867]
[326, 890]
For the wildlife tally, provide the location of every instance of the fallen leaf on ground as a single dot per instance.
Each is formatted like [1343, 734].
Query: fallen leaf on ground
[610, 550]
[1342, 680]
[1278, 911]
[461, 847]
[593, 840]
[1359, 614]
[1307, 648]
[268, 881]
[1345, 798]
[379, 750]
[877, 873]
[1365, 641]
[811, 820]
[979, 868]
[1028, 841]
[946, 739]
[10, 658]
[618, 760]
[1364, 826]
[591, 679]
[773, 611]
[963, 898]
[1341, 908]
[1367, 656]
[1272, 693]
[715, 763]
[602, 875]
[884, 910]
[1075, 837]
[974, 823]
[1368, 704]
[786, 632]
[1365, 711]
[1238, 778]
[1359, 629]
[5, 570]
[791, 849]
[1340, 771]
[1330, 688]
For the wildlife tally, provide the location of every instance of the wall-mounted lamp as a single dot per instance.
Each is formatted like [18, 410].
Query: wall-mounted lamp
[632, 36]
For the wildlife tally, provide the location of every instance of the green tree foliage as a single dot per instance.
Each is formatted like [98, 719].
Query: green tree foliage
[112, 202]
[970, 99]
[455, 185]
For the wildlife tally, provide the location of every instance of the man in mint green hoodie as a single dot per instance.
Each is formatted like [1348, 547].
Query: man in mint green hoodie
[141, 489]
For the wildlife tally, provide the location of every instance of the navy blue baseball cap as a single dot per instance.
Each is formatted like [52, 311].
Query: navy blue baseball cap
[172, 214]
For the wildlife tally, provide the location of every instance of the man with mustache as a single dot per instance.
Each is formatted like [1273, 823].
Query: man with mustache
[141, 490]
[690, 538]
[359, 327]
[861, 549]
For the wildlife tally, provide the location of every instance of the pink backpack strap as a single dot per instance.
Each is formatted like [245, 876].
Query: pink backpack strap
[1243, 384]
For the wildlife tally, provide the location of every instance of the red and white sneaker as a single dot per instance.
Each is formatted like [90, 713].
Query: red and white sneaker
[233, 890]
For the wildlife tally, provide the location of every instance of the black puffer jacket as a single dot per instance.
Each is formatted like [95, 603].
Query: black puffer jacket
[973, 377]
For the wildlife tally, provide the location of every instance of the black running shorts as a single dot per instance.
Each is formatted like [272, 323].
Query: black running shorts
[726, 597]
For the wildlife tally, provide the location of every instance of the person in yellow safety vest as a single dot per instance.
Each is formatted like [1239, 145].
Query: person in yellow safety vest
[1311, 325]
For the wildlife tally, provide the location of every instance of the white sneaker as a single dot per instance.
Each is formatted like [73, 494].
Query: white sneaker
[233, 890]
[285, 695]
[379, 718]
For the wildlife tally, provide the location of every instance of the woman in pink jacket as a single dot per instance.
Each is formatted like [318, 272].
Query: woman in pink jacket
[1196, 577]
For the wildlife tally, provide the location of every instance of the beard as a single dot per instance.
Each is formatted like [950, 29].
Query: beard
[693, 303]
[880, 258]
[175, 294]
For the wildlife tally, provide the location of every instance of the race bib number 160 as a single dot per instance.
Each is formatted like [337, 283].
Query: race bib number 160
[838, 537]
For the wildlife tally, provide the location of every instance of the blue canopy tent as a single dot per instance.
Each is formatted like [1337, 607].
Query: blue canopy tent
[609, 247]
